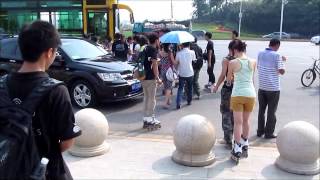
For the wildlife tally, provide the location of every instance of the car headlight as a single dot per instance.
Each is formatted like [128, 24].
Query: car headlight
[110, 76]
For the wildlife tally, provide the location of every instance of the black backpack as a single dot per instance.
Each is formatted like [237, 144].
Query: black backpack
[199, 55]
[19, 156]
[139, 71]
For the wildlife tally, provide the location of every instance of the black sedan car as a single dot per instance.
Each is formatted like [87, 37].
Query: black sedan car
[91, 74]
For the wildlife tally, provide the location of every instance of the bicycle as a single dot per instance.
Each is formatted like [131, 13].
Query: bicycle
[309, 75]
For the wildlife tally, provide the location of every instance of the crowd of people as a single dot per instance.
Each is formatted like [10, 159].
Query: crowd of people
[53, 127]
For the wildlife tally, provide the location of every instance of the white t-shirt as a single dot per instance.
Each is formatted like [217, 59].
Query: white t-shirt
[185, 58]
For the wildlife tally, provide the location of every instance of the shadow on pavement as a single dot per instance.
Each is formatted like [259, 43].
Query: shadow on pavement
[167, 166]
[272, 172]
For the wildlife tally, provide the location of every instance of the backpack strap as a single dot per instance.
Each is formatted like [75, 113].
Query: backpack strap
[31, 102]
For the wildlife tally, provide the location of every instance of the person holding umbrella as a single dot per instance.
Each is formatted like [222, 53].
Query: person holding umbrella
[183, 61]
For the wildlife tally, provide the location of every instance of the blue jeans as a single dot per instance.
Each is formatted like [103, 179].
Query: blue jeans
[182, 82]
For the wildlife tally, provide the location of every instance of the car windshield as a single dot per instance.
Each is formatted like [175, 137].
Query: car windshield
[79, 49]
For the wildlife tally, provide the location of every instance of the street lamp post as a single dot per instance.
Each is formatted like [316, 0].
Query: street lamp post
[171, 10]
[240, 18]
[284, 2]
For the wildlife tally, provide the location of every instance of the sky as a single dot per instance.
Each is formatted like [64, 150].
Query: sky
[154, 10]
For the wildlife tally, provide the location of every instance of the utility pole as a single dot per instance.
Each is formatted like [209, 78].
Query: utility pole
[284, 2]
[171, 10]
[240, 18]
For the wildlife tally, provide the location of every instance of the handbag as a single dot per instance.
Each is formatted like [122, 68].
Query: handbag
[171, 74]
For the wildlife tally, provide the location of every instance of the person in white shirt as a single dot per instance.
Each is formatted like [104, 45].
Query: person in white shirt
[183, 61]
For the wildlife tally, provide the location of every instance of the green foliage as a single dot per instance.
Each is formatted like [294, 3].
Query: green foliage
[263, 16]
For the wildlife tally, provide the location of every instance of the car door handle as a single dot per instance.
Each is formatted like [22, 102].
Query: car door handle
[12, 61]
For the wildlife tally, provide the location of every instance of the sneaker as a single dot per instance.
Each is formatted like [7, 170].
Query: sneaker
[244, 142]
[237, 148]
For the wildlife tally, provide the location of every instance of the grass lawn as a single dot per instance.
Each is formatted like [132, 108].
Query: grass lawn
[221, 35]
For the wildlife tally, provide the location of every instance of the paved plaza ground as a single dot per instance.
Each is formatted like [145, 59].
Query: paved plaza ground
[138, 154]
[296, 102]
[146, 158]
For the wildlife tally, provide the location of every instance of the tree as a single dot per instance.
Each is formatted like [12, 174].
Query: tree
[202, 11]
[263, 16]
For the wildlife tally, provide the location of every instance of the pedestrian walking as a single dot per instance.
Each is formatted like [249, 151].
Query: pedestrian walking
[226, 112]
[270, 67]
[197, 65]
[46, 101]
[130, 44]
[120, 48]
[234, 35]
[242, 97]
[183, 61]
[166, 64]
[211, 59]
[151, 81]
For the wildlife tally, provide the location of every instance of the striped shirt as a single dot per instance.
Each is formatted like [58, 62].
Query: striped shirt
[269, 63]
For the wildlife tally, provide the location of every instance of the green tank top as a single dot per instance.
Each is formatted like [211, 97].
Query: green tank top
[243, 83]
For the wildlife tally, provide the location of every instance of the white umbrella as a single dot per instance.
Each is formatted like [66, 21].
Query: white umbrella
[177, 37]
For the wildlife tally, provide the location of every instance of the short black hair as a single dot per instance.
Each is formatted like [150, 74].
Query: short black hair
[235, 33]
[209, 35]
[129, 38]
[274, 42]
[239, 45]
[167, 47]
[195, 40]
[153, 37]
[37, 38]
[117, 36]
[143, 40]
[186, 44]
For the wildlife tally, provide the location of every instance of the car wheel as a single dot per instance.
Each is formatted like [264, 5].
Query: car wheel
[82, 94]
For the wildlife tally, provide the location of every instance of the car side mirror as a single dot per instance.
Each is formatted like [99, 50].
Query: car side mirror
[58, 61]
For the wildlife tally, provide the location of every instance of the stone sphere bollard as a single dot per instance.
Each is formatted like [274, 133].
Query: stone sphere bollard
[95, 128]
[298, 145]
[194, 138]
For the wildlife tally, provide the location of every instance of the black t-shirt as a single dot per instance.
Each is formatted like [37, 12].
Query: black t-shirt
[120, 49]
[151, 54]
[210, 47]
[54, 117]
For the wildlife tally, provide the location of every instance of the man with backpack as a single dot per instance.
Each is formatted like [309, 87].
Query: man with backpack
[150, 81]
[37, 109]
[197, 65]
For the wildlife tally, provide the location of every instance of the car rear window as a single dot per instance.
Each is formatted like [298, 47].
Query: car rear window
[9, 49]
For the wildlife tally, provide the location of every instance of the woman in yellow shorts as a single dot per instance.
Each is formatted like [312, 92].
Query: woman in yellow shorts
[242, 98]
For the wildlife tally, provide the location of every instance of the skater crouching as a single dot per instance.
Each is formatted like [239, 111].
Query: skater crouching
[242, 98]
[226, 112]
